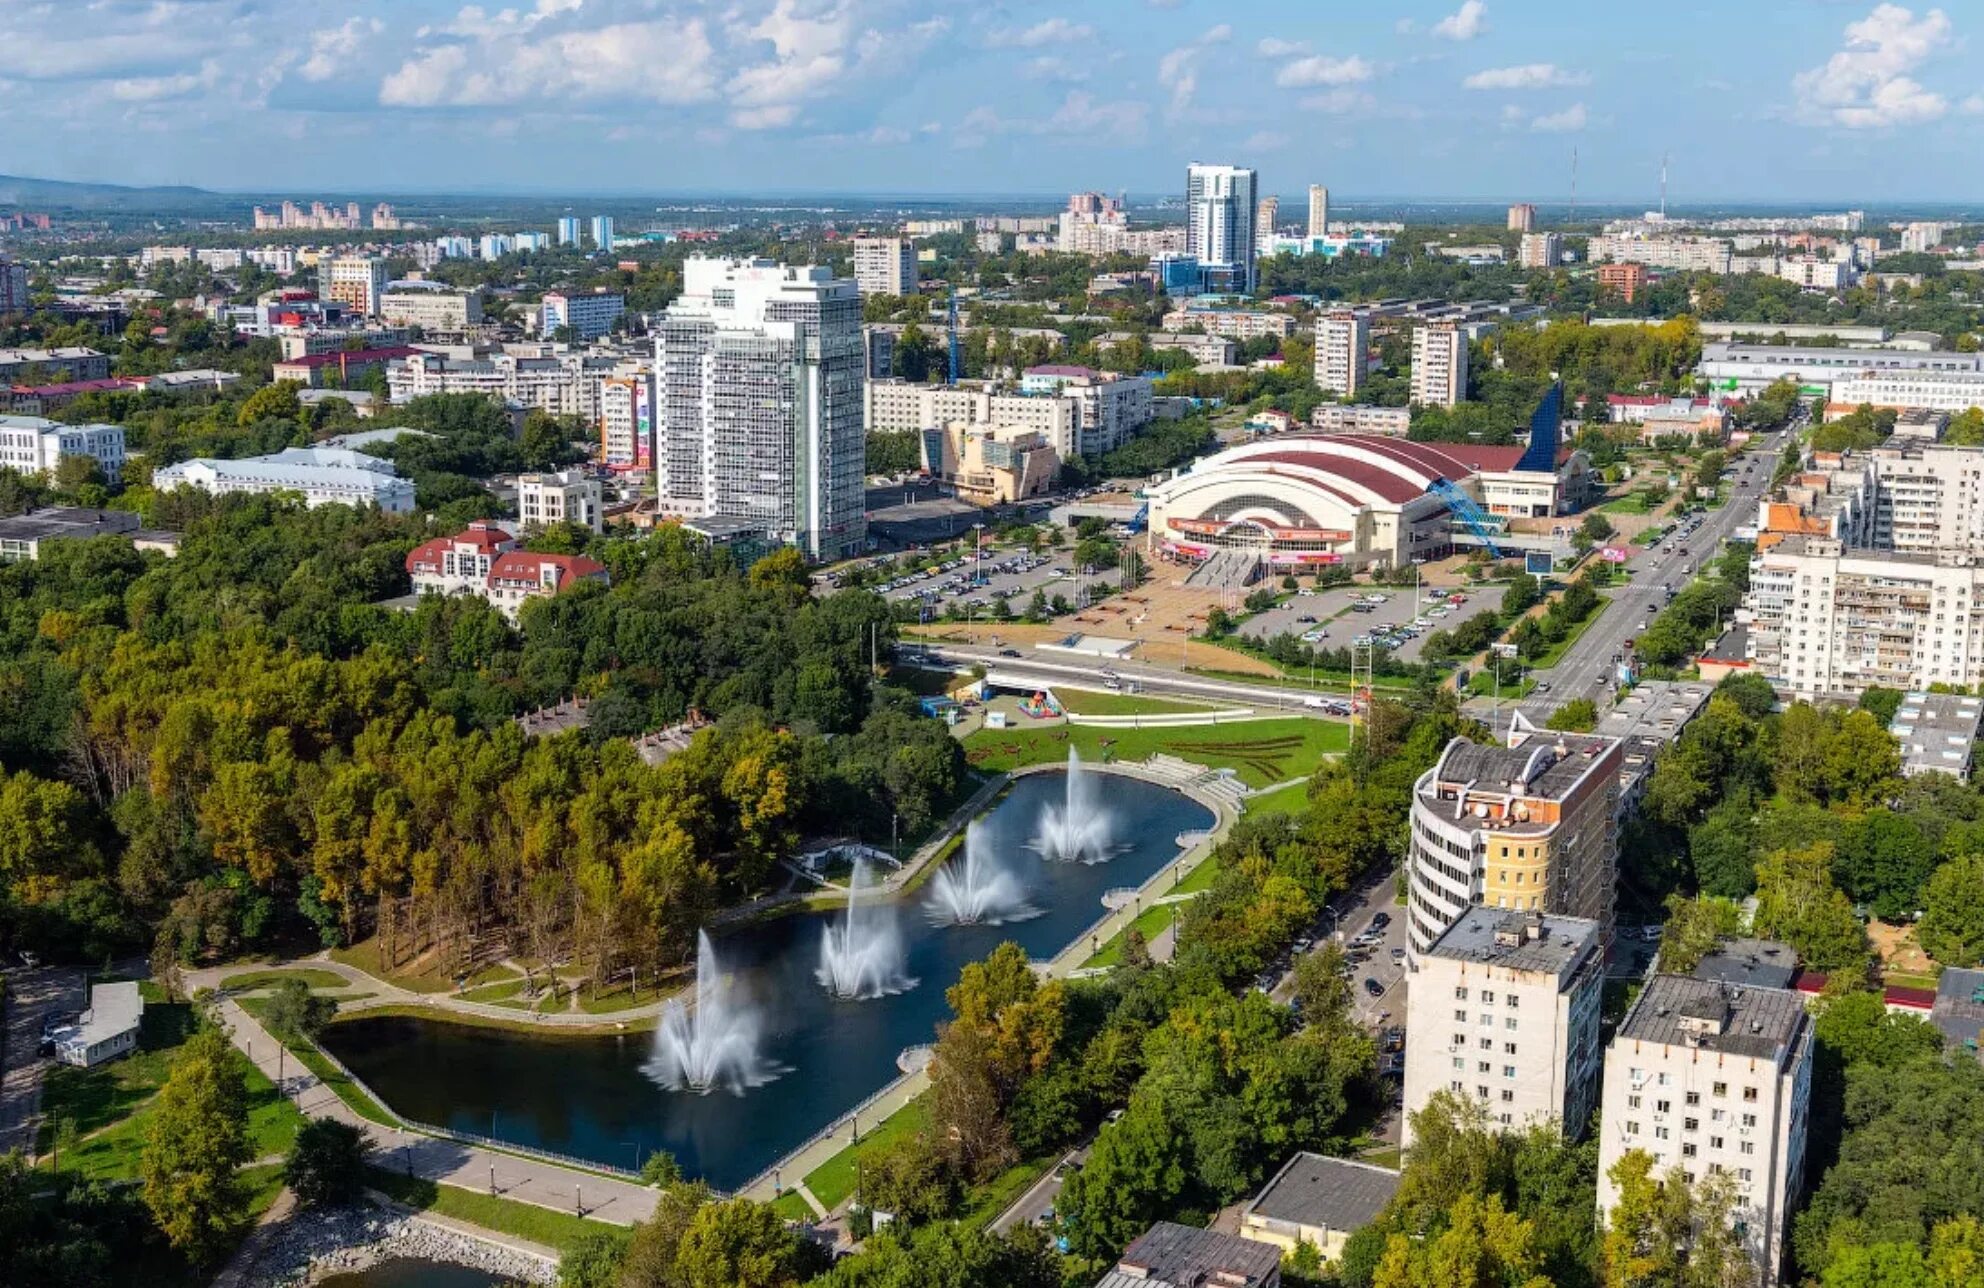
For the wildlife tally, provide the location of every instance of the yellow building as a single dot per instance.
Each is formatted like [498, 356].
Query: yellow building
[991, 464]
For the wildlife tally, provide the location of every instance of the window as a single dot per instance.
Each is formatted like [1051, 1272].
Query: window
[1508, 1071]
[1715, 1142]
[1508, 1048]
[1460, 1064]
[1483, 1067]
[1512, 999]
[1743, 1174]
[1632, 1128]
[1687, 1149]
[1694, 1097]
[1662, 1106]
[1460, 994]
[1481, 1091]
[1510, 1024]
[1487, 1044]
[1665, 1079]
[1487, 1020]
[1487, 998]
[1460, 1039]
[1660, 1132]
[1717, 1115]
[1721, 1088]
[1746, 1147]
[1750, 1094]
[1460, 1016]
[1632, 1102]
[1508, 1096]
[1636, 1075]
[1456, 1086]
[1691, 1124]
[1749, 1120]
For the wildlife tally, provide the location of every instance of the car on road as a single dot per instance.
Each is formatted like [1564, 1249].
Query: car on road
[1373, 987]
[1380, 920]
[1306, 619]
[1010, 652]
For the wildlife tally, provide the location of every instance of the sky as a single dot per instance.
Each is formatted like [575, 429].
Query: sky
[1756, 100]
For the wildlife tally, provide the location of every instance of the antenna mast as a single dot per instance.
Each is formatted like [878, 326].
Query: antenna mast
[1663, 186]
[1574, 183]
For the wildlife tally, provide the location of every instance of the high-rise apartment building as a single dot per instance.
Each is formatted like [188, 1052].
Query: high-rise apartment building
[568, 230]
[1503, 1011]
[1706, 1076]
[356, 281]
[384, 219]
[1540, 250]
[589, 314]
[1439, 365]
[1266, 214]
[1220, 206]
[1343, 341]
[1522, 217]
[1524, 826]
[1627, 279]
[602, 231]
[626, 420]
[13, 286]
[760, 374]
[885, 265]
[1319, 210]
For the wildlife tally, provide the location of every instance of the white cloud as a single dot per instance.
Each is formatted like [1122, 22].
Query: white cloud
[1050, 68]
[332, 47]
[1275, 47]
[1464, 23]
[1406, 27]
[1569, 121]
[1972, 106]
[1318, 70]
[660, 62]
[1341, 102]
[152, 89]
[1867, 84]
[1054, 31]
[1264, 141]
[1081, 115]
[1178, 70]
[1527, 76]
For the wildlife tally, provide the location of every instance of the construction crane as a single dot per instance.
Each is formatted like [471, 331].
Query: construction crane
[1477, 521]
[951, 328]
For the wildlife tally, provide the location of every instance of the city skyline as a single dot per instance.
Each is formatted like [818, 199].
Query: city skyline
[1448, 99]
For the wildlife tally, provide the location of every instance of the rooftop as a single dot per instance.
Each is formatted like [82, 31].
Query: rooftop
[1544, 765]
[67, 521]
[1657, 709]
[1181, 1256]
[1678, 1010]
[1936, 731]
[1544, 943]
[1750, 963]
[1959, 1009]
[114, 1009]
[1332, 1193]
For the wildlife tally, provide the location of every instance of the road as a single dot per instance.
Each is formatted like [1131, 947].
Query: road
[31, 994]
[1039, 1199]
[1349, 916]
[1036, 667]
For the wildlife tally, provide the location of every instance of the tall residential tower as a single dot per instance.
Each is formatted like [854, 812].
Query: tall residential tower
[1220, 215]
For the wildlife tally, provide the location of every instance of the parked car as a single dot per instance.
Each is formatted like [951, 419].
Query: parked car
[1373, 987]
[1381, 920]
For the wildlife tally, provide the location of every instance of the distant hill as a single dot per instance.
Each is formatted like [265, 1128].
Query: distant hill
[18, 191]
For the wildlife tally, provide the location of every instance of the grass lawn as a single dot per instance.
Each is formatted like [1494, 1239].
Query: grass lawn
[1326, 680]
[1085, 703]
[328, 1073]
[1263, 752]
[498, 992]
[1150, 921]
[622, 997]
[96, 1098]
[1631, 503]
[532, 1027]
[1482, 685]
[793, 1208]
[1906, 979]
[1292, 799]
[365, 956]
[1549, 657]
[924, 683]
[271, 978]
[983, 1203]
[558, 1230]
[834, 1180]
[1199, 878]
[1389, 1157]
[113, 1154]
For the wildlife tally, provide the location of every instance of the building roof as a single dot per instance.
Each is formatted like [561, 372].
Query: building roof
[47, 355]
[114, 1008]
[1544, 943]
[1656, 709]
[67, 521]
[1060, 369]
[70, 388]
[1936, 731]
[1759, 1023]
[1181, 1256]
[361, 356]
[285, 474]
[1959, 1008]
[522, 565]
[1546, 765]
[1331, 1193]
[1749, 963]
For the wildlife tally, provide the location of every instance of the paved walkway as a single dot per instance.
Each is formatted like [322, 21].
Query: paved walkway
[386, 993]
[447, 1162]
[31, 994]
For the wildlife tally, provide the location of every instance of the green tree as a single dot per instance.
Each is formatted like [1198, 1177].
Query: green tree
[194, 1144]
[741, 1244]
[592, 1261]
[1952, 929]
[271, 402]
[1579, 715]
[294, 1013]
[1694, 927]
[326, 1164]
[1797, 902]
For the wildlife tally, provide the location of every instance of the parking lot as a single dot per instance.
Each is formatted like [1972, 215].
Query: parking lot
[1336, 625]
[1008, 572]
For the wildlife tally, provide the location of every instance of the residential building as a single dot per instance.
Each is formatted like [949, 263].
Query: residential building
[496, 245]
[1439, 365]
[1092, 224]
[568, 230]
[1503, 1011]
[1959, 1009]
[301, 342]
[356, 281]
[569, 496]
[1941, 391]
[1343, 346]
[1923, 237]
[880, 360]
[22, 536]
[1646, 719]
[1528, 825]
[1937, 733]
[602, 232]
[589, 314]
[1318, 1200]
[40, 400]
[108, 1029]
[384, 219]
[1815, 274]
[431, 306]
[341, 368]
[1915, 423]
[1540, 250]
[1688, 254]
[990, 464]
[322, 476]
[1265, 216]
[885, 265]
[50, 366]
[1711, 1077]
[1234, 324]
[1700, 419]
[1356, 418]
[485, 561]
[1184, 1256]
[1216, 350]
[626, 420]
[33, 446]
[1522, 217]
[1110, 408]
[1627, 279]
[13, 286]
[1078, 411]
[547, 377]
[1220, 205]
[761, 368]
[1319, 211]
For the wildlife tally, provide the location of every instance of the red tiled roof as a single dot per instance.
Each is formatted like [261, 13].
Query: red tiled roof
[428, 554]
[483, 536]
[1478, 456]
[522, 565]
[350, 355]
[79, 387]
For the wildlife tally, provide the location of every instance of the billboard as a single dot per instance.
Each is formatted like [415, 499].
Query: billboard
[1538, 563]
[644, 423]
[1613, 554]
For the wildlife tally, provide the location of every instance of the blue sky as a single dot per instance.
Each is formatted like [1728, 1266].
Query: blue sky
[1817, 100]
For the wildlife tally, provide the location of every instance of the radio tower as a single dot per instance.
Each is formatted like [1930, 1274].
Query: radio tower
[1574, 183]
[1663, 187]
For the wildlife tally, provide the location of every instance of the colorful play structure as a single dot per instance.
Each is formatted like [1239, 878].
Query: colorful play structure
[1042, 706]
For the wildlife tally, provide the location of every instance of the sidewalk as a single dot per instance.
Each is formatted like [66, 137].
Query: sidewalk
[446, 1162]
[385, 993]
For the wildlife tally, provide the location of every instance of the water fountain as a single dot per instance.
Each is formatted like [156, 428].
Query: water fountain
[1079, 829]
[976, 889]
[861, 952]
[714, 1044]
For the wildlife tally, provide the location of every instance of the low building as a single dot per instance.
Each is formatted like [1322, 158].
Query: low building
[1503, 1010]
[1697, 418]
[22, 536]
[1937, 733]
[1233, 324]
[1959, 1009]
[52, 366]
[1354, 418]
[108, 1029]
[1216, 349]
[321, 476]
[1627, 279]
[589, 314]
[991, 464]
[1320, 1201]
[1646, 720]
[569, 496]
[1182, 1256]
[35, 446]
[1705, 1077]
[339, 370]
[40, 400]
[431, 306]
[484, 560]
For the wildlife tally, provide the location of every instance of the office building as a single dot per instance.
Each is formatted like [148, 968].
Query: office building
[1742, 368]
[1707, 1077]
[1219, 225]
[1939, 391]
[991, 464]
[589, 314]
[602, 232]
[1937, 733]
[431, 306]
[486, 561]
[1169, 1255]
[356, 281]
[1319, 211]
[36, 447]
[1540, 250]
[13, 286]
[626, 420]
[568, 230]
[322, 475]
[1318, 1200]
[569, 496]
[760, 390]
[1522, 217]
[1439, 365]
[1343, 345]
[1357, 418]
[1528, 825]
[880, 360]
[302, 342]
[49, 366]
[1503, 1011]
[1628, 280]
[885, 265]
[1264, 221]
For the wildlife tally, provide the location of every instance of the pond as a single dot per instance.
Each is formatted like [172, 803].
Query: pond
[589, 1097]
[411, 1272]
